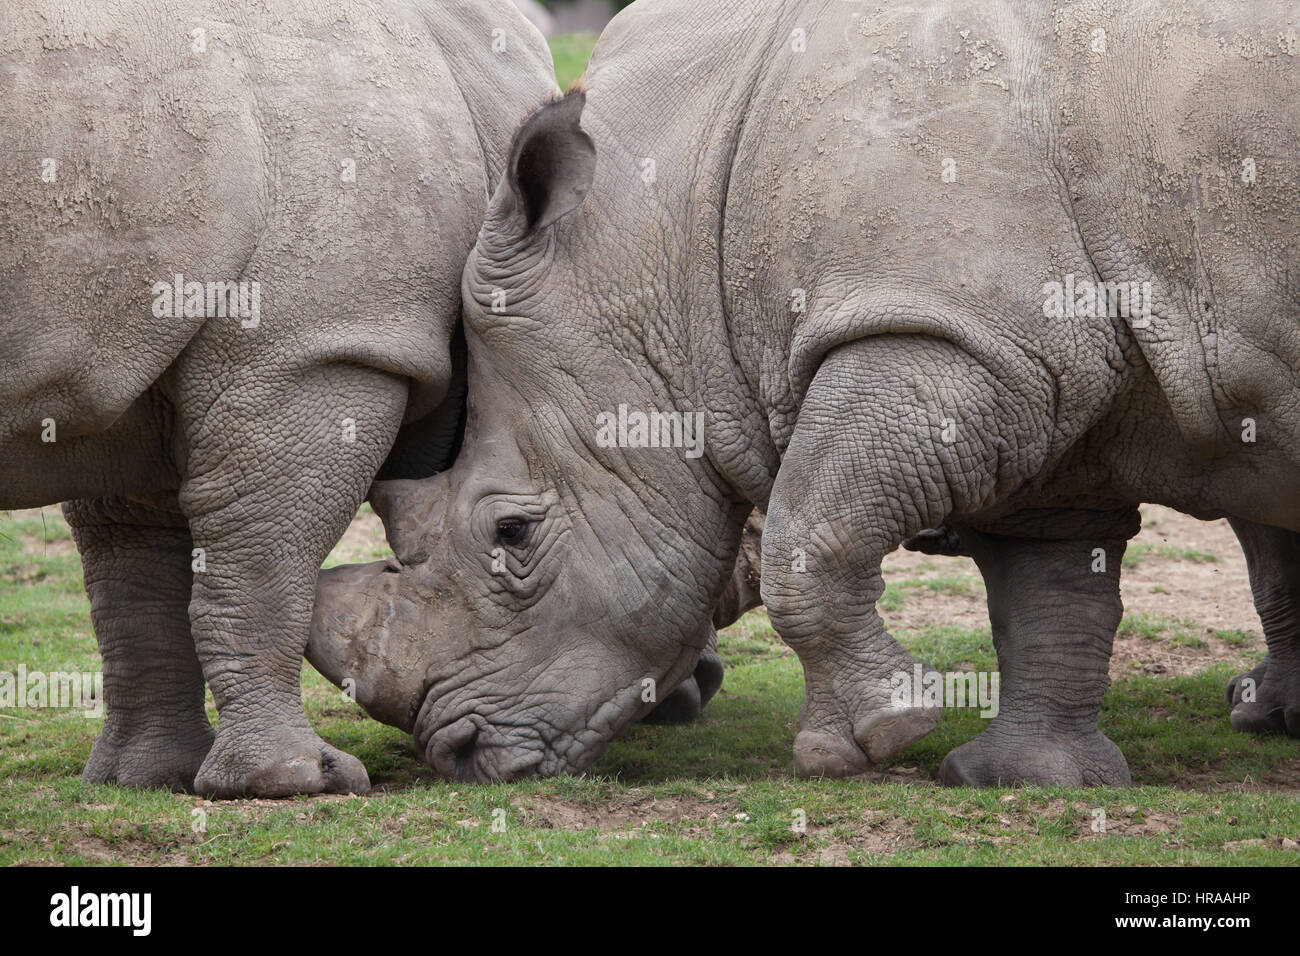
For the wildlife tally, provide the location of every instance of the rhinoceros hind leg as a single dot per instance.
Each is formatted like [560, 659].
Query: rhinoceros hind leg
[1054, 606]
[1070, 760]
[136, 560]
[1273, 560]
[1257, 706]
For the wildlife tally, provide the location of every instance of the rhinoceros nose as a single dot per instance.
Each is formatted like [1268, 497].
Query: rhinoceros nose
[466, 752]
[451, 750]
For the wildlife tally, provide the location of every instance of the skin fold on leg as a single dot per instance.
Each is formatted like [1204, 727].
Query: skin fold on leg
[868, 466]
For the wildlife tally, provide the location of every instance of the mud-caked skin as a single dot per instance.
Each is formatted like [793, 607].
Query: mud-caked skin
[843, 235]
[335, 158]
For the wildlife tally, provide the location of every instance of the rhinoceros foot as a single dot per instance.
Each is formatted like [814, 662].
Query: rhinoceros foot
[874, 739]
[998, 760]
[685, 703]
[1247, 683]
[281, 762]
[148, 759]
[1265, 700]
[680, 707]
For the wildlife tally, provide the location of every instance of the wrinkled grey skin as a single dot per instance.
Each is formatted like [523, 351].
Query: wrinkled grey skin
[356, 645]
[870, 346]
[176, 434]
[740, 594]
[743, 589]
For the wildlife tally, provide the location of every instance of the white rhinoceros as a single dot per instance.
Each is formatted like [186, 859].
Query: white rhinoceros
[231, 241]
[1017, 266]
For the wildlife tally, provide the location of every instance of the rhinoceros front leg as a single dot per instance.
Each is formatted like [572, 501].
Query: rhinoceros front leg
[275, 473]
[1266, 699]
[864, 470]
[136, 559]
[1054, 606]
[895, 434]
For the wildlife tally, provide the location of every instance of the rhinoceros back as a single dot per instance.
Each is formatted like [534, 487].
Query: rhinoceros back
[933, 168]
[125, 156]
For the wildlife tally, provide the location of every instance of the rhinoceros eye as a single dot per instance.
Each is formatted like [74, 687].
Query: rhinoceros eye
[512, 530]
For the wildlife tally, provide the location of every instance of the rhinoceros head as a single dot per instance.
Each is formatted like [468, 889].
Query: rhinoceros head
[552, 586]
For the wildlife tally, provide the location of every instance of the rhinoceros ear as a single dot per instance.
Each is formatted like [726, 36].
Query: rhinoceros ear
[551, 165]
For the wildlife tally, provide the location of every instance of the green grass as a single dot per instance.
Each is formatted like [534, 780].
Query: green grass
[717, 792]
[570, 52]
[1235, 637]
[1137, 553]
[1159, 628]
